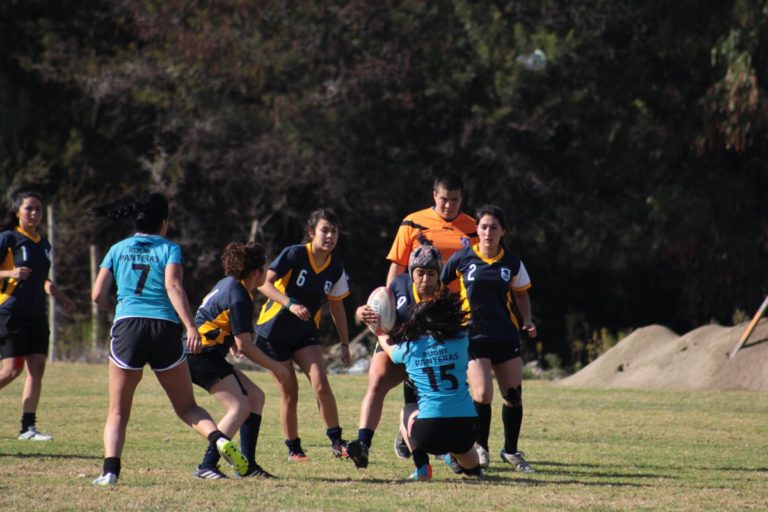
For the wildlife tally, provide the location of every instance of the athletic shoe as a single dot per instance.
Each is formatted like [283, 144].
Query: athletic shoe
[401, 449]
[482, 454]
[422, 474]
[452, 463]
[339, 449]
[232, 455]
[33, 435]
[257, 471]
[106, 480]
[297, 455]
[358, 452]
[518, 461]
[209, 473]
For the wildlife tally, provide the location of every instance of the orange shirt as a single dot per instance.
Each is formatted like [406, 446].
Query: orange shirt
[447, 236]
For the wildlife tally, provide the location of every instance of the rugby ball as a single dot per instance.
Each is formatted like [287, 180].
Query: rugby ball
[382, 301]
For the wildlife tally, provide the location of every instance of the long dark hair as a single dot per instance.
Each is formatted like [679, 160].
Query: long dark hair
[148, 213]
[11, 220]
[442, 318]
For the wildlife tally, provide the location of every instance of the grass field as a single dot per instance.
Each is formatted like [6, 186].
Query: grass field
[592, 449]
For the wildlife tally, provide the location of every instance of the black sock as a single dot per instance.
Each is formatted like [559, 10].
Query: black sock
[211, 457]
[334, 434]
[294, 445]
[513, 420]
[28, 419]
[365, 436]
[483, 423]
[111, 465]
[215, 436]
[420, 457]
[249, 437]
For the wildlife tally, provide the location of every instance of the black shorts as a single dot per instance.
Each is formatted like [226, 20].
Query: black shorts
[282, 350]
[497, 352]
[443, 435]
[22, 335]
[138, 341]
[209, 367]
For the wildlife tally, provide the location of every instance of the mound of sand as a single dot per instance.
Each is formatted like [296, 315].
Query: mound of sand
[654, 357]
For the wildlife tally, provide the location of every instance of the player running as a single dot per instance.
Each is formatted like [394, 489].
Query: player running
[298, 282]
[225, 322]
[419, 284]
[151, 300]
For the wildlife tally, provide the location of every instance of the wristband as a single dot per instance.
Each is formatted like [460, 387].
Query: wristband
[290, 303]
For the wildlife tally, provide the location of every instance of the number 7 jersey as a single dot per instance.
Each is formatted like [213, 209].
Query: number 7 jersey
[138, 266]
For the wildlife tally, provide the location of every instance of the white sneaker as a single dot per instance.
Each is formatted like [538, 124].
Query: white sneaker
[482, 454]
[518, 461]
[105, 480]
[33, 435]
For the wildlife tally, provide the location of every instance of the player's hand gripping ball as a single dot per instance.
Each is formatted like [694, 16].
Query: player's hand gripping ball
[382, 301]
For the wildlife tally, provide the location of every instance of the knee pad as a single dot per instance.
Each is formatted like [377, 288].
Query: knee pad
[514, 396]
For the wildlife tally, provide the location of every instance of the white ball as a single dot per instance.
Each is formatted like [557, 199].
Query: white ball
[382, 301]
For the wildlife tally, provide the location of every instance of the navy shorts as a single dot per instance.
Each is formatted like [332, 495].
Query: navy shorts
[209, 367]
[443, 435]
[497, 352]
[138, 341]
[282, 350]
[22, 335]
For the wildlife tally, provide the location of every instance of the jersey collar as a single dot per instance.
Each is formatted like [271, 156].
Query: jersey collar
[312, 261]
[242, 283]
[489, 261]
[35, 238]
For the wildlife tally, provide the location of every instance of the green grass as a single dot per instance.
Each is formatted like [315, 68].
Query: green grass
[592, 449]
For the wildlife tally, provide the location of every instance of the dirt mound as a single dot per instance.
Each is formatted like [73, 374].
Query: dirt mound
[654, 357]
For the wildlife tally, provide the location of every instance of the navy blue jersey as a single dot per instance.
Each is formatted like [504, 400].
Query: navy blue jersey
[486, 289]
[307, 283]
[406, 295]
[439, 373]
[226, 311]
[20, 249]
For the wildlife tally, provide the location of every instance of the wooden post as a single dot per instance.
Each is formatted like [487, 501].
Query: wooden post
[52, 277]
[95, 323]
[254, 231]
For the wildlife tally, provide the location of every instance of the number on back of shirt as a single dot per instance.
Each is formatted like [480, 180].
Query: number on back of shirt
[444, 375]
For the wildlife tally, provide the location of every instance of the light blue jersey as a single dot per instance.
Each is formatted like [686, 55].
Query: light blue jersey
[439, 372]
[138, 266]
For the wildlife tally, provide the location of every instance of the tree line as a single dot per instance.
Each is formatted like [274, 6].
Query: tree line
[632, 164]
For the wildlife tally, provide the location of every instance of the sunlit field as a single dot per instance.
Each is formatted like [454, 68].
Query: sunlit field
[592, 450]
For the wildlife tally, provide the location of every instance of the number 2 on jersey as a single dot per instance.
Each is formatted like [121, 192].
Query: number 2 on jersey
[444, 375]
[144, 269]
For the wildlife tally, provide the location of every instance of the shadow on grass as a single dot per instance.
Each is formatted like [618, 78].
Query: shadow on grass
[642, 466]
[49, 456]
[599, 474]
[492, 479]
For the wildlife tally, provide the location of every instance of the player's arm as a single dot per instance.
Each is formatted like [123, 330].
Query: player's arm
[271, 292]
[524, 305]
[395, 269]
[54, 291]
[100, 292]
[339, 316]
[244, 344]
[174, 276]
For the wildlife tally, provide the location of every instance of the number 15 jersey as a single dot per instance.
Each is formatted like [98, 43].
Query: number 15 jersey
[138, 265]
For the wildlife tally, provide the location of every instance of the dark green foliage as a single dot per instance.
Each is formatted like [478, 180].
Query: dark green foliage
[632, 167]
